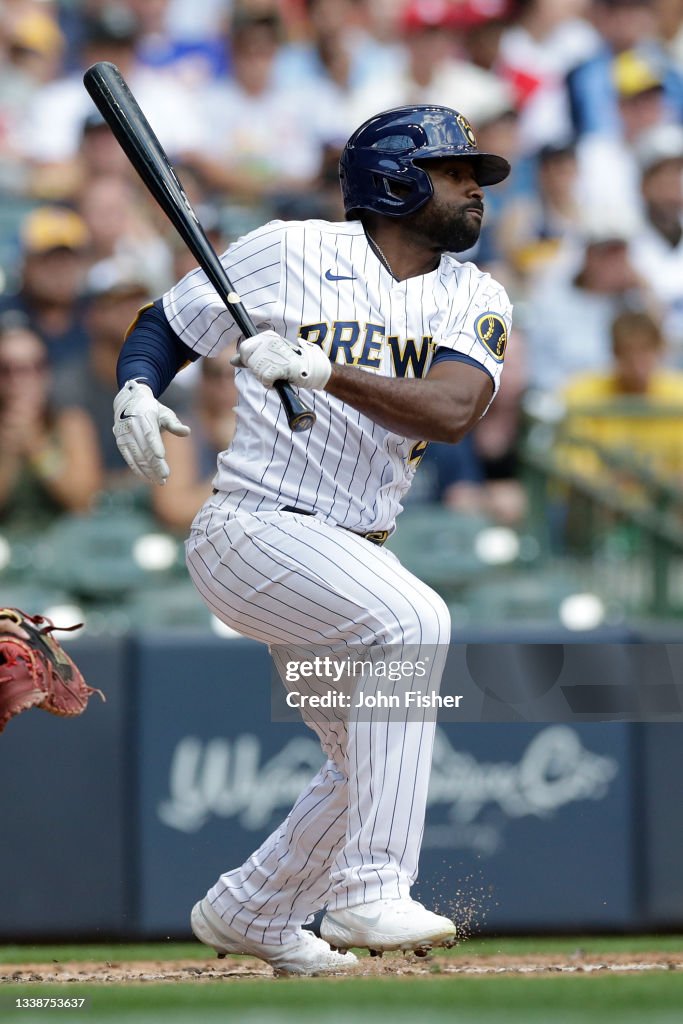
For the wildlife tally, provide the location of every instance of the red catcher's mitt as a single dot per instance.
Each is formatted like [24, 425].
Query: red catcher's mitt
[35, 671]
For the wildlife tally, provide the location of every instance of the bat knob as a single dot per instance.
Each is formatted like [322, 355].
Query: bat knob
[298, 416]
[302, 421]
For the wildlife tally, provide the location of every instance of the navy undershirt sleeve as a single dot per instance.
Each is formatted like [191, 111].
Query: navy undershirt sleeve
[152, 353]
[444, 354]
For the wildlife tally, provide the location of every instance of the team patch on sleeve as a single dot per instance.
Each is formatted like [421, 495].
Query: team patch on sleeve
[492, 333]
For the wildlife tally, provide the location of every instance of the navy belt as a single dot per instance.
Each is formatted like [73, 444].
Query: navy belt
[374, 536]
[378, 537]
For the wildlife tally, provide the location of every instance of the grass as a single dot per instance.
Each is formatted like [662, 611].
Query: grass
[598, 998]
[656, 999]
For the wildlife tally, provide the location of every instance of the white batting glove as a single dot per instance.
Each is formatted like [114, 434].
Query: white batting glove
[270, 357]
[138, 421]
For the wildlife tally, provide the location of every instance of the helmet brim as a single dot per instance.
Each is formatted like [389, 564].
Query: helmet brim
[489, 169]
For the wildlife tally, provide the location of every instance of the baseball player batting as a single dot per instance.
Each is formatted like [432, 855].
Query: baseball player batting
[395, 344]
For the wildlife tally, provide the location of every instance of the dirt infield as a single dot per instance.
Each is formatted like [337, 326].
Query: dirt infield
[233, 969]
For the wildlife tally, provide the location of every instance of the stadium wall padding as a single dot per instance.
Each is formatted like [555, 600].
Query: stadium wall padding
[116, 822]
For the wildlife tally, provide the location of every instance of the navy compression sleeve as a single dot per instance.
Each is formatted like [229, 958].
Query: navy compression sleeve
[152, 352]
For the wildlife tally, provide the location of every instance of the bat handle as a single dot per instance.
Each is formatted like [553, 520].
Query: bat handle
[298, 416]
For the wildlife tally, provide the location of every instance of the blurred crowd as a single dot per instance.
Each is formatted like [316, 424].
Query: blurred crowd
[253, 100]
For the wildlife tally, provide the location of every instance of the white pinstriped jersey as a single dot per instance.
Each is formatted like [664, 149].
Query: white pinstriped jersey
[322, 281]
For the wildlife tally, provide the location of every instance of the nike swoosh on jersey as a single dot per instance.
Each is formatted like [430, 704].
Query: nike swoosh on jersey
[329, 276]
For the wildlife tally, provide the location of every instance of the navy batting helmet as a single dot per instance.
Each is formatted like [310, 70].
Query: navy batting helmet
[388, 149]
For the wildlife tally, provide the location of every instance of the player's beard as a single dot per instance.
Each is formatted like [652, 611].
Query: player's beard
[449, 228]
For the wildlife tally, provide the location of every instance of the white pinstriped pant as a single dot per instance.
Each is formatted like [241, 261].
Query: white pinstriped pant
[354, 834]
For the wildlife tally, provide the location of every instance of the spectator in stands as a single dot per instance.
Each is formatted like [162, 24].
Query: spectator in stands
[567, 320]
[187, 19]
[484, 24]
[30, 51]
[193, 466]
[89, 383]
[657, 248]
[539, 231]
[544, 42]
[433, 68]
[193, 54]
[34, 40]
[48, 460]
[55, 122]
[98, 154]
[609, 409]
[339, 51]
[608, 169]
[445, 469]
[262, 142]
[118, 215]
[622, 25]
[54, 243]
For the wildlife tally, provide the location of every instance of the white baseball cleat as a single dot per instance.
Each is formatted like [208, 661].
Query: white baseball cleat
[307, 954]
[387, 924]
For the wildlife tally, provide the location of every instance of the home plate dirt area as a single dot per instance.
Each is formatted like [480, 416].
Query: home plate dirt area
[236, 968]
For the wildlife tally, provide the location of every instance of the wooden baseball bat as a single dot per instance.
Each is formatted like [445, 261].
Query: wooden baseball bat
[121, 111]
